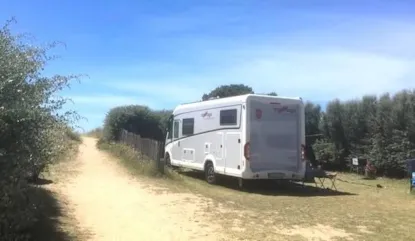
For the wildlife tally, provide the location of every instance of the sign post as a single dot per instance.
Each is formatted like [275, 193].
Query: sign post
[412, 181]
[411, 172]
[355, 161]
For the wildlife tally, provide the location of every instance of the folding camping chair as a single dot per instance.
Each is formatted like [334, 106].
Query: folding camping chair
[332, 177]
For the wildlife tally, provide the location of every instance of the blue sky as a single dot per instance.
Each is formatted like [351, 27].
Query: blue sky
[162, 53]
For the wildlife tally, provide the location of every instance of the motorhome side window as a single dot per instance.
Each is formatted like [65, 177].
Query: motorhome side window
[228, 117]
[188, 126]
[176, 129]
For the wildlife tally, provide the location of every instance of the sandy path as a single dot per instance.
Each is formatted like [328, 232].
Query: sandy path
[112, 205]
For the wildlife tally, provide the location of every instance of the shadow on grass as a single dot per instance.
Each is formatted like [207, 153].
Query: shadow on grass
[269, 187]
[359, 183]
[48, 213]
[41, 181]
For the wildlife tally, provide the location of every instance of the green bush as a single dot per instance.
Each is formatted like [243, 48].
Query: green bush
[72, 134]
[96, 132]
[32, 132]
[137, 119]
[163, 118]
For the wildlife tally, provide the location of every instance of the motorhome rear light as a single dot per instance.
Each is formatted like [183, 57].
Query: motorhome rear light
[247, 152]
[303, 156]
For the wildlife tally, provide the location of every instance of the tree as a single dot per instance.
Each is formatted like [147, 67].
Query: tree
[33, 132]
[312, 130]
[228, 91]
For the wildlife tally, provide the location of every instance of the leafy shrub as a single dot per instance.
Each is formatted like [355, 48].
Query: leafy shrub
[97, 132]
[163, 118]
[32, 132]
[72, 134]
[137, 119]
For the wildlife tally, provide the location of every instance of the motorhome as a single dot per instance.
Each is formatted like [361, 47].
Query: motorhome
[248, 137]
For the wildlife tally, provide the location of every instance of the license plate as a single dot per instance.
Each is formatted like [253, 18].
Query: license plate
[275, 175]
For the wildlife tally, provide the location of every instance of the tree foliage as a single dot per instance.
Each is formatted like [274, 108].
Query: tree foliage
[381, 130]
[137, 119]
[228, 91]
[231, 90]
[33, 132]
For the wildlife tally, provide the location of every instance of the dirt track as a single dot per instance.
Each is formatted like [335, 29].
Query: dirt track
[100, 200]
[112, 205]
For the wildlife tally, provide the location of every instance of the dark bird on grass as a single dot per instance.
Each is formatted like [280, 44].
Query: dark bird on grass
[378, 186]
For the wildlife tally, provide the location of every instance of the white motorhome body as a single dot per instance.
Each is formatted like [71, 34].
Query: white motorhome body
[248, 136]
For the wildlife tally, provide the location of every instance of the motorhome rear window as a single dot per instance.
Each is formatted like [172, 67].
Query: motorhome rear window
[188, 126]
[228, 117]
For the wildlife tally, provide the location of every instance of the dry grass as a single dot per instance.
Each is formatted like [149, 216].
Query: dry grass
[135, 162]
[360, 211]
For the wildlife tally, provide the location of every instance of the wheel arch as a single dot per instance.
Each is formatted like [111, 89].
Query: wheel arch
[209, 158]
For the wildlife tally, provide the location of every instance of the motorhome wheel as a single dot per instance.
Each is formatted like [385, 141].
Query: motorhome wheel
[210, 173]
[167, 160]
[240, 183]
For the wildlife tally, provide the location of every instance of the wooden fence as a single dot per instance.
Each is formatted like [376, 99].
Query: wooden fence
[151, 149]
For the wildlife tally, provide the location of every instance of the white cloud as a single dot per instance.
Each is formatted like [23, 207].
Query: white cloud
[179, 91]
[363, 55]
[325, 74]
[108, 101]
[315, 75]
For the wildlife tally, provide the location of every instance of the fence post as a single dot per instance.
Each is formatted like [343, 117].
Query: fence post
[160, 160]
[135, 142]
[122, 136]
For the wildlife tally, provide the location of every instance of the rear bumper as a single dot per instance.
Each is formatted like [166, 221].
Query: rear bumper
[274, 175]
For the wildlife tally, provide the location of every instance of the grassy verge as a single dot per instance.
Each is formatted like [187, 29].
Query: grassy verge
[135, 163]
[358, 211]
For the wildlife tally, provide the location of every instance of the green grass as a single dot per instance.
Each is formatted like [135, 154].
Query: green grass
[135, 162]
[359, 211]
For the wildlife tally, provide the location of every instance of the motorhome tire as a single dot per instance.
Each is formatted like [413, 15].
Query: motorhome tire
[240, 183]
[210, 173]
[168, 164]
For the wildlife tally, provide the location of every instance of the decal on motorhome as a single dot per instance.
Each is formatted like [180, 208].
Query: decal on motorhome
[284, 109]
[206, 115]
[258, 113]
[281, 108]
